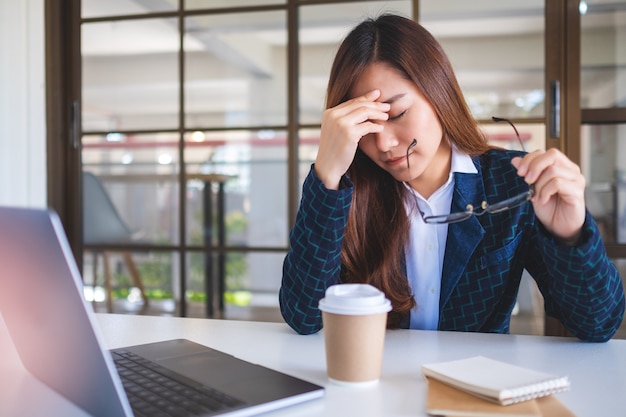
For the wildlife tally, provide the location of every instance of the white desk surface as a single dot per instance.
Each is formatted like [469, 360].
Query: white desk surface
[597, 371]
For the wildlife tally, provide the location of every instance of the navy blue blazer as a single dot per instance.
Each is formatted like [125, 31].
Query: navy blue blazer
[483, 262]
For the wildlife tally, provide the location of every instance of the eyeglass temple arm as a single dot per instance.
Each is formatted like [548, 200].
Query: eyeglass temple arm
[501, 119]
[411, 145]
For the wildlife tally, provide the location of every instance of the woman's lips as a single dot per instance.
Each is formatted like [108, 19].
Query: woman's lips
[396, 161]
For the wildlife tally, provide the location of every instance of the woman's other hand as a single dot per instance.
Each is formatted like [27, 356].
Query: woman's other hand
[559, 199]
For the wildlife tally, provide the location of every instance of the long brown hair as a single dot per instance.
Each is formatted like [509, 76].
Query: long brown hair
[378, 225]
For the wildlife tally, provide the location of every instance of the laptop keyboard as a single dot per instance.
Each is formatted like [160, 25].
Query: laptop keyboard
[155, 391]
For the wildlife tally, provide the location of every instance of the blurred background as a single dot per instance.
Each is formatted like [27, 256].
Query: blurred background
[200, 119]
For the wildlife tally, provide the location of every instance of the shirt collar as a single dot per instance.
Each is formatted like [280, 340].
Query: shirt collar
[462, 162]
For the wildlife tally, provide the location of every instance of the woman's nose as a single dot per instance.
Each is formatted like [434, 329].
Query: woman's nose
[386, 140]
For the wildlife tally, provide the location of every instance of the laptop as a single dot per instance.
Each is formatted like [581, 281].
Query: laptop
[56, 335]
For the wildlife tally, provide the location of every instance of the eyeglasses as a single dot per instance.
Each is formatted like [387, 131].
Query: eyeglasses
[470, 210]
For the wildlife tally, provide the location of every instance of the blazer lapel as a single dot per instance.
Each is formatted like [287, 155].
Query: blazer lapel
[463, 237]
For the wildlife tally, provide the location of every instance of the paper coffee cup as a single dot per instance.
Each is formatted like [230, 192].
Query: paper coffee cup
[355, 319]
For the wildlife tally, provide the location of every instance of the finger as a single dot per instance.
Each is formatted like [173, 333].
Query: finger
[567, 181]
[363, 114]
[371, 95]
[352, 115]
[522, 163]
[568, 190]
[365, 128]
[368, 99]
[349, 125]
[533, 165]
[567, 172]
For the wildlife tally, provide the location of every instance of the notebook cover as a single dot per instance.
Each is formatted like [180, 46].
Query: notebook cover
[445, 400]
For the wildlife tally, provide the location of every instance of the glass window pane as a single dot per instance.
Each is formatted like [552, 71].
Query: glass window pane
[251, 167]
[235, 70]
[322, 28]
[309, 141]
[497, 51]
[157, 272]
[604, 167]
[603, 69]
[99, 8]
[221, 4]
[501, 134]
[251, 283]
[130, 75]
[139, 175]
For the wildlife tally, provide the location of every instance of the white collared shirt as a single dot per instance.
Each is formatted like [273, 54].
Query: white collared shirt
[427, 244]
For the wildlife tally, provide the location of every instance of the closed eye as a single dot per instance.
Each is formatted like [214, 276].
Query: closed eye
[398, 116]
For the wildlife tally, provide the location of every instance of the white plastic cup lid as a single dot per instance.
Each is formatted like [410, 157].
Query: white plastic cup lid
[354, 299]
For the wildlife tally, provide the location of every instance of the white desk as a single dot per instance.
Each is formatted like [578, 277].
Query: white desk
[597, 371]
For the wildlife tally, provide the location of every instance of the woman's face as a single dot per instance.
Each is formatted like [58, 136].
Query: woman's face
[410, 117]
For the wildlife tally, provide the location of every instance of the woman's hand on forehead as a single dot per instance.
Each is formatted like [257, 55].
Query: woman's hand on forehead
[343, 126]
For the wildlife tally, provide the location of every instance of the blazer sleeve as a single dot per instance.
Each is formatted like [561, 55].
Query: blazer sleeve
[581, 286]
[313, 262]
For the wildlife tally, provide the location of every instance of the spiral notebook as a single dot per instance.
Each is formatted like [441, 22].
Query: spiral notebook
[496, 381]
[445, 400]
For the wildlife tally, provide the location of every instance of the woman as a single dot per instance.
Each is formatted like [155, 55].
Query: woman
[399, 152]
